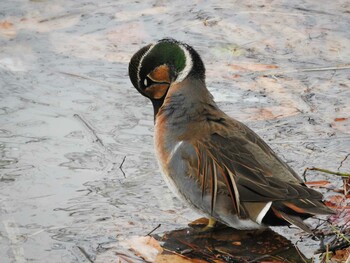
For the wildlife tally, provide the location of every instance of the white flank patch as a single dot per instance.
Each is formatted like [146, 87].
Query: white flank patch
[263, 212]
[141, 60]
[173, 151]
[188, 60]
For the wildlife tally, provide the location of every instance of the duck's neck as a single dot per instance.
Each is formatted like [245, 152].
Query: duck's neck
[185, 102]
[182, 113]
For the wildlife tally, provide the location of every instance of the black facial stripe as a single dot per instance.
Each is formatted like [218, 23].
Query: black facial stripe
[150, 82]
[134, 66]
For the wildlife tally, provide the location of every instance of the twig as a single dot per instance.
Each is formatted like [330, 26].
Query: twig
[82, 250]
[281, 72]
[121, 166]
[154, 229]
[106, 83]
[88, 126]
[56, 17]
[308, 140]
[341, 163]
[299, 253]
[109, 155]
[324, 69]
[304, 174]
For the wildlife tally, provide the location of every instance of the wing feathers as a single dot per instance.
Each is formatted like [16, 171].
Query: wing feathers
[259, 184]
[208, 166]
[214, 186]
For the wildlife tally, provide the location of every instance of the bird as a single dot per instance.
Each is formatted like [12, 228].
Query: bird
[214, 163]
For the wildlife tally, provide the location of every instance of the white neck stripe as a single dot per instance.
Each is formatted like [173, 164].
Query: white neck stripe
[183, 74]
[188, 60]
[141, 60]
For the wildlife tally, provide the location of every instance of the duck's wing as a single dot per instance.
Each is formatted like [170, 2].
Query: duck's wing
[255, 178]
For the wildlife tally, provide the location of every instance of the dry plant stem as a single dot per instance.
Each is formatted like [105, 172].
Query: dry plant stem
[154, 229]
[56, 17]
[325, 258]
[86, 255]
[326, 171]
[96, 139]
[341, 163]
[324, 69]
[300, 255]
[121, 166]
[105, 83]
[281, 72]
[88, 126]
[340, 234]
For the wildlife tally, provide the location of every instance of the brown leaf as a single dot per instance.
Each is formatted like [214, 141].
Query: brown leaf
[340, 191]
[340, 119]
[321, 183]
[336, 199]
[342, 255]
[338, 202]
[145, 247]
[5, 25]
[341, 124]
[252, 67]
[7, 29]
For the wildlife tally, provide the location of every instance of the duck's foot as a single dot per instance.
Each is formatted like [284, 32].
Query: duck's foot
[210, 226]
[258, 232]
[206, 225]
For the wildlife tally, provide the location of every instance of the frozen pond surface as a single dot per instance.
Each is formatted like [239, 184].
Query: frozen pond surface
[69, 115]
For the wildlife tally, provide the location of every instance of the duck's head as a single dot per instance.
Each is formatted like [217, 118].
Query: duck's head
[155, 67]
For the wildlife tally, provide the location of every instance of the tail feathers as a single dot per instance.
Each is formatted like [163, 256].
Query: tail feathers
[306, 206]
[294, 220]
[293, 212]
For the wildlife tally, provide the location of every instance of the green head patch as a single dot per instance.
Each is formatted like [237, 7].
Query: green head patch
[180, 59]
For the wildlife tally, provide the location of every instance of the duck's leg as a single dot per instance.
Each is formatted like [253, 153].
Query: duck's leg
[211, 222]
[210, 226]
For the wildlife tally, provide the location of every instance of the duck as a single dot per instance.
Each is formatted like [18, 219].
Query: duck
[214, 163]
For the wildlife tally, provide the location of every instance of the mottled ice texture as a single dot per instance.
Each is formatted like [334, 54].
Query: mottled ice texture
[63, 69]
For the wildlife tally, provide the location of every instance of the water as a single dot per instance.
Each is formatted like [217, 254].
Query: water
[69, 116]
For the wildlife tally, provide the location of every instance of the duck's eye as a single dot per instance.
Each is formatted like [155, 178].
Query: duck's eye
[159, 75]
[148, 82]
